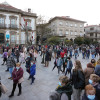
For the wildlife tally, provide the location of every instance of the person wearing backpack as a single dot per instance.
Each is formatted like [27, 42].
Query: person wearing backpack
[78, 80]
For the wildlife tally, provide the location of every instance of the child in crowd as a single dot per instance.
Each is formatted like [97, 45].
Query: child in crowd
[32, 71]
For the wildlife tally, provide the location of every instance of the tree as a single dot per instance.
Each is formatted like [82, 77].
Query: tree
[53, 40]
[41, 27]
[68, 42]
[79, 40]
[87, 40]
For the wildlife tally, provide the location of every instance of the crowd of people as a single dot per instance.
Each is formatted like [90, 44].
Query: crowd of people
[76, 82]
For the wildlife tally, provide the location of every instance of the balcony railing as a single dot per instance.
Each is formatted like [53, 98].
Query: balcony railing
[29, 28]
[2, 26]
[13, 26]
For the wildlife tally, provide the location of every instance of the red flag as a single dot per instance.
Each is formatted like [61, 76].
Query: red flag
[24, 18]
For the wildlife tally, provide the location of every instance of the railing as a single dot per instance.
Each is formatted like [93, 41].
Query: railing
[29, 28]
[13, 26]
[2, 26]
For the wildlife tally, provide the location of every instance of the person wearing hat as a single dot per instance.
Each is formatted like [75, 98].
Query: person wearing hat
[17, 76]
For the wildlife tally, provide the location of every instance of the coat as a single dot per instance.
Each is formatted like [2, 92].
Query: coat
[78, 79]
[47, 56]
[97, 70]
[33, 70]
[16, 75]
[87, 72]
[67, 89]
[86, 98]
[11, 62]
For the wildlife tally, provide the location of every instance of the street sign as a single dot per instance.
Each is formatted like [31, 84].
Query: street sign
[7, 36]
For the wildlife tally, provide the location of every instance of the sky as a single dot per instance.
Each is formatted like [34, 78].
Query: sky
[85, 10]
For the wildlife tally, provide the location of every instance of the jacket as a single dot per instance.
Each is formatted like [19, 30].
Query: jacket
[78, 79]
[11, 62]
[33, 70]
[97, 87]
[67, 89]
[86, 98]
[16, 75]
[87, 72]
[28, 61]
[97, 70]
[70, 64]
[5, 55]
[47, 56]
[59, 62]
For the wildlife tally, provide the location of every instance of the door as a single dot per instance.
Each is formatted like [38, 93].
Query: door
[2, 38]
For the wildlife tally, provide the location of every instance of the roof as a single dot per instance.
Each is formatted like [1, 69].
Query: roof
[66, 18]
[91, 26]
[7, 7]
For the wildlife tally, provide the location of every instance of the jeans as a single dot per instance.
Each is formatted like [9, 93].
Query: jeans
[59, 69]
[32, 77]
[14, 88]
[11, 70]
[93, 56]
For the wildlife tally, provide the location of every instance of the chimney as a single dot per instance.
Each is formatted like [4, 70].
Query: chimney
[29, 10]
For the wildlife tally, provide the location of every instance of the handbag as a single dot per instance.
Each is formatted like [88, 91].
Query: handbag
[21, 80]
[3, 88]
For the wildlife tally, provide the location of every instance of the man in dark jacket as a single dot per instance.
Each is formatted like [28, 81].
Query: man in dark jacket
[17, 55]
[47, 58]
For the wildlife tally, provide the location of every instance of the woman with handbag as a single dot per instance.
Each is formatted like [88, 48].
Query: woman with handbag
[17, 76]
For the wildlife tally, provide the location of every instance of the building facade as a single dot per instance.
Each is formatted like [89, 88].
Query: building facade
[93, 32]
[65, 27]
[16, 26]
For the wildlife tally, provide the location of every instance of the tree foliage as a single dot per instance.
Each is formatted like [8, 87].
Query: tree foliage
[79, 40]
[53, 40]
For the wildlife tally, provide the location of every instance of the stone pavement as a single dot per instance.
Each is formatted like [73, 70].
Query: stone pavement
[46, 81]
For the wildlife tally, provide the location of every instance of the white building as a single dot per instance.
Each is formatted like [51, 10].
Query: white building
[15, 23]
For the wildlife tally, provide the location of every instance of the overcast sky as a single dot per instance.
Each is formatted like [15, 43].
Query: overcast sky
[85, 10]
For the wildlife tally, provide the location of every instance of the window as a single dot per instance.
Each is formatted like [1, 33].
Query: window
[91, 34]
[71, 33]
[71, 25]
[28, 24]
[81, 26]
[13, 21]
[75, 25]
[67, 24]
[81, 33]
[60, 32]
[92, 28]
[67, 33]
[1, 20]
[13, 38]
[60, 23]
[75, 33]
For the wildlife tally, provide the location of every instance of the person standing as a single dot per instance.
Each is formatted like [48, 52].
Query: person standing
[59, 64]
[32, 71]
[5, 57]
[10, 63]
[69, 66]
[97, 68]
[47, 58]
[17, 76]
[17, 54]
[78, 80]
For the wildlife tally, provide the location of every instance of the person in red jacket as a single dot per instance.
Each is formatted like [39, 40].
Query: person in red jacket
[62, 54]
[17, 76]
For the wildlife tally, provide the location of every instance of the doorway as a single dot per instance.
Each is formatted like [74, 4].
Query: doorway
[2, 38]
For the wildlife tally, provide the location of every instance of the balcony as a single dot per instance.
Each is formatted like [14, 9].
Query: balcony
[2, 26]
[13, 26]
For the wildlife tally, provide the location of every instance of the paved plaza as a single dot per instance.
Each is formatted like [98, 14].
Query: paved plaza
[46, 81]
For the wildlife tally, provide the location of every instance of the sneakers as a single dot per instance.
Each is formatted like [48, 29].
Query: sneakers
[6, 70]
[10, 78]
[11, 95]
